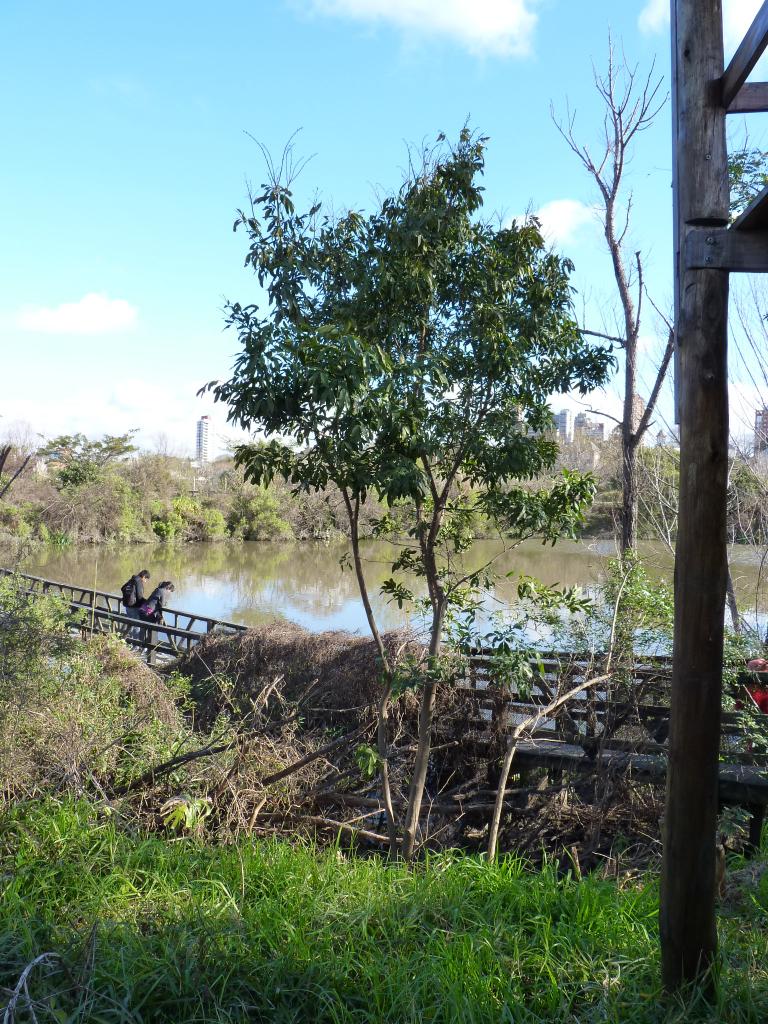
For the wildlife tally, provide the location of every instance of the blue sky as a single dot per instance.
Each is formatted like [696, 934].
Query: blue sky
[126, 151]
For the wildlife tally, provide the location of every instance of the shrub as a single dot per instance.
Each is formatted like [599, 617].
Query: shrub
[255, 515]
[73, 711]
[185, 518]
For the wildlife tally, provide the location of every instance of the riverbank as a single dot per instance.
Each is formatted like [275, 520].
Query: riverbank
[157, 830]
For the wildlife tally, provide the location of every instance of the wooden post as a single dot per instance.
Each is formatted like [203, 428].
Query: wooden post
[700, 168]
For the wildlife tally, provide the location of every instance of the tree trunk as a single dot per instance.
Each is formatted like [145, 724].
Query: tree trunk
[733, 606]
[382, 744]
[426, 716]
[421, 765]
[628, 496]
[687, 913]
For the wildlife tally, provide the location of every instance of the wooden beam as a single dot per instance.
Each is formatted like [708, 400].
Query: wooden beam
[748, 54]
[700, 166]
[752, 98]
[755, 217]
[726, 249]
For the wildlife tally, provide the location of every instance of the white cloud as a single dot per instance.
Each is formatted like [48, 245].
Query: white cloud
[738, 15]
[154, 406]
[561, 219]
[500, 27]
[654, 17]
[93, 314]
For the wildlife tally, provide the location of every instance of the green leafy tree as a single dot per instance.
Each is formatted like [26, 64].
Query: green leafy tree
[255, 515]
[81, 460]
[409, 354]
[748, 173]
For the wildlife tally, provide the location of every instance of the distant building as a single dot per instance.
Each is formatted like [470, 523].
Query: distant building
[761, 429]
[201, 447]
[593, 430]
[661, 439]
[564, 425]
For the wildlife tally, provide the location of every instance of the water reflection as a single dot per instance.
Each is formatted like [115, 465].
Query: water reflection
[255, 582]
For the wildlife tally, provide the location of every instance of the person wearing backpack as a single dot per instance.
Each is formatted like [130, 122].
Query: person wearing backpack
[133, 598]
[151, 611]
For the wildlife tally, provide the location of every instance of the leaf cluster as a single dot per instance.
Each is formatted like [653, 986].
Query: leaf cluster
[406, 347]
[80, 460]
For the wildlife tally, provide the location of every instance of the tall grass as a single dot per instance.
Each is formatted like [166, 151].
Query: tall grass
[150, 930]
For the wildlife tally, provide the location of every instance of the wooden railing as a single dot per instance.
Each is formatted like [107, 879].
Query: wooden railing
[596, 726]
[99, 611]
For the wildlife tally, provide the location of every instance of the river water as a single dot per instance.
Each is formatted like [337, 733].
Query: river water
[255, 582]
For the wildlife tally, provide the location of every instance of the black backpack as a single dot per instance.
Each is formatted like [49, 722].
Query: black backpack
[128, 590]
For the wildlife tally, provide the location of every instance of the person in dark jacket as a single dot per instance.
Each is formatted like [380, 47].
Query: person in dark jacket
[134, 597]
[151, 611]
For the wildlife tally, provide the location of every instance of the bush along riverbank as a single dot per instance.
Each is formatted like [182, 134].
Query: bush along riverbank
[79, 490]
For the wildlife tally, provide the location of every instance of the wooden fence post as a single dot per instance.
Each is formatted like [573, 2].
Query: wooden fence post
[700, 168]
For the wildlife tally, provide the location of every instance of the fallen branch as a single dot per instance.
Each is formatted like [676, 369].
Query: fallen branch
[309, 758]
[21, 986]
[454, 807]
[341, 826]
[158, 771]
[528, 723]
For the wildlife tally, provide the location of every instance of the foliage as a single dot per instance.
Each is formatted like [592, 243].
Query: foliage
[80, 460]
[630, 611]
[747, 168]
[751, 732]
[185, 518]
[415, 341]
[71, 711]
[186, 814]
[255, 515]
[145, 929]
[367, 760]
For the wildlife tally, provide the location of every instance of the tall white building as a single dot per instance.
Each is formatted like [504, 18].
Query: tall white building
[564, 425]
[201, 448]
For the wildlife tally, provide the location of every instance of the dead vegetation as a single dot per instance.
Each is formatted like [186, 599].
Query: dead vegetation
[308, 702]
[273, 730]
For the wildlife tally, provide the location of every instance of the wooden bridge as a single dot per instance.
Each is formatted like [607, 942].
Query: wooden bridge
[596, 730]
[98, 611]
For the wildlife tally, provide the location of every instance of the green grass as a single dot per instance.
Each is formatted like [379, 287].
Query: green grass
[153, 930]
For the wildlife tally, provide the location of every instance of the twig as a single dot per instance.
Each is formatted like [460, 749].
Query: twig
[313, 819]
[528, 723]
[21, 986]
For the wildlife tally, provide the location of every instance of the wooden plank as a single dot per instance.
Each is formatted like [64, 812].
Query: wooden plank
[726, 249]
[701, 188]
[749, 52]
[738, 784]
[752, 98]
[755, 217]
